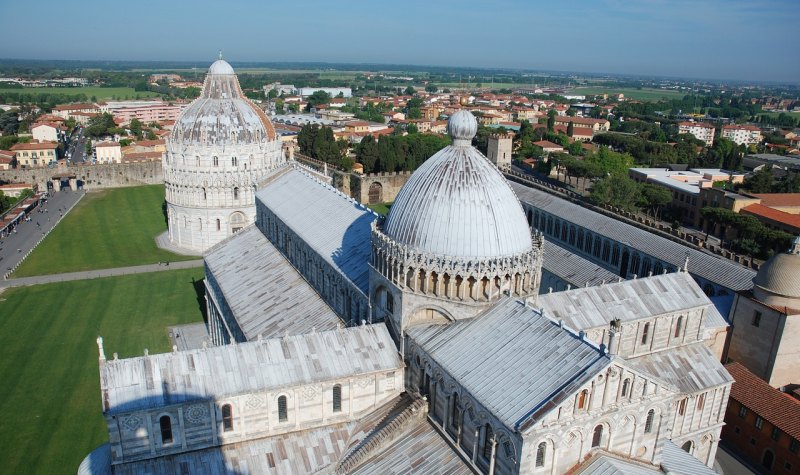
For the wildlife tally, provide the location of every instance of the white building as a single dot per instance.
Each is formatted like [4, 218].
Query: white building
[219, 149]
[46, 132]
[108, 152]
[742, 134]
[700, 130]
[332, 91]
[452, 363]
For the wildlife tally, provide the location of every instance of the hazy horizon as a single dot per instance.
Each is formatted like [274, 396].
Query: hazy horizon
[715, 39]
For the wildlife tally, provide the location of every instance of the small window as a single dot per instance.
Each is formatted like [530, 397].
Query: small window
[645, 333]
[794, 445]
[582, 397]
[236, 192]
[759, 422]
[776, 433]
[227, 418]
[648, 424]
[701, 401]
[337, 398]
[742, 411]
[597, 436]
[688, 446]
[787, 466]
[488, 433]
[283, 411]
[215, 161]
[626, 387]
[682, 407]
[540, 453]
[234, 162]
[757, 319]
[678, 326]
[165, 424]
[219, 224]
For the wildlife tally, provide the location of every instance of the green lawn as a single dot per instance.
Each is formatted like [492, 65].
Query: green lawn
[52, 414]
[101, 93]
[108, 228]
[380, 208]
[644, 94]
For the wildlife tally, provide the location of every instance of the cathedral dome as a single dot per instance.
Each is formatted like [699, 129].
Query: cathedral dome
[458, 203]
[222, 115]
[780, 276]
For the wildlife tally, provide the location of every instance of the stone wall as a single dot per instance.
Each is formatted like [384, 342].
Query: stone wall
[91, 177]
[379, 187]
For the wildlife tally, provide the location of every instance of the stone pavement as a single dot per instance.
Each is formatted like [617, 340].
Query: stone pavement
[162, 241]
[94, 274]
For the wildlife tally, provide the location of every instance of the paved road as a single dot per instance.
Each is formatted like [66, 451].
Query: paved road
[14, 246]
[94, 274]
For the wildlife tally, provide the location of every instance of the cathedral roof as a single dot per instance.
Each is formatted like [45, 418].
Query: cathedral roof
[222, 115]
[264, 291]
[459, 204]
[170, 378]
[497, 372]
[689, 368]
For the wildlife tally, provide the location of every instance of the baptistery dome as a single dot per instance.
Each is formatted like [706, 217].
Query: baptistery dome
[458, 203]
[778, 280]
[222, 114]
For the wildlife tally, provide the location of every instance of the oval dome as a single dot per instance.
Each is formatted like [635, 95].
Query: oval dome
[780, 275]
[222, 114]
[459, 204]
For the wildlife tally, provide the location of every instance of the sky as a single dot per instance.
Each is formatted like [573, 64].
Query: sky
[715, 39]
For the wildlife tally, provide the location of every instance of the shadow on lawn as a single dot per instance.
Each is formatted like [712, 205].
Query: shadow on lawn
[200, 291]
[164, 211]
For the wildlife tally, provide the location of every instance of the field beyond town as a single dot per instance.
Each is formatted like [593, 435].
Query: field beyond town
[636, 94]
[51, 406]
[99, 93]
[107, 228]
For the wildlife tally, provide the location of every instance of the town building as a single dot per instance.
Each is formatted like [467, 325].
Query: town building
[15, 189]
[700, 130]
[597, 125]
[762, 424]
[779, 211]
[144, 111]
[331, 91]
[500, 149]
[35, 154]
[765, 321]
[549, 147]
[108, 152]
[742, 134]
[220, 148]
[7, 159]
[66, 111]
[450, 361]
[47, 131]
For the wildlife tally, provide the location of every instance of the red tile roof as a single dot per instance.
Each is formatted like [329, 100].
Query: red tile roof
[778, 199]
[777, 408]
[773, 214]
[35, 146]
[545, 144]
[696, 124]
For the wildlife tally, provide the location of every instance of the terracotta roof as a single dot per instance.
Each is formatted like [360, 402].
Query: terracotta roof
[741, 127]
[108, 144]
[773, 214]
[582, 131]
[35, 146]
[696, 124]
[779, 409]
[150, 143]
[778, 199]
[72, 107]
[581, 120]
[142, 156]
[545, 144]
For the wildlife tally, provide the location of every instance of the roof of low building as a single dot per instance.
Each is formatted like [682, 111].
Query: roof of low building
[170, 378]
[35, 146]
[491, 356]
[547, 144]
[778, 199]
[266, 294]
[573, 268]
[783, 217]
[713, 268]
[777, 408]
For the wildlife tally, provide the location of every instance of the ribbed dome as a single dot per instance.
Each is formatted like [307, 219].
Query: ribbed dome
[458, 204]
[222, 114]
[780, 275]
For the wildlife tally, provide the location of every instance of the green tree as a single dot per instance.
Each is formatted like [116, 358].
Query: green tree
[551, 120]
[571, 112]
[615, 190]
[414, 113]
[136, 128]
[655, 198]
[571, 129]
[318, 98]
[410, 91]
[760, 182]
[431, 88]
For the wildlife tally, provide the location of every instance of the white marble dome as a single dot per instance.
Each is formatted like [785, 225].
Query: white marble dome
[222, 115]
[458, 203]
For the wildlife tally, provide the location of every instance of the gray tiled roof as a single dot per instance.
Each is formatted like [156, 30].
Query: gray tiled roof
[422, 450]
[628, 300]
[492, 355]
[689, 368]
[603, 463]
[264, 291]
[715, 269]
[573, 268]
[335, 226]
[171, 378]
[678, 461]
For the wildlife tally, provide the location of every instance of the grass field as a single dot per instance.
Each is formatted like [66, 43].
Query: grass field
[644, 94]
[795, 115]
[380, 208]
[109, 228]
[101, 93]
[51, 406]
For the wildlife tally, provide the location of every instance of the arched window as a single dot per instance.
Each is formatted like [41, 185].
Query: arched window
[488, 433]
[389, 303]
[597, 245]
[227, 418]
[768, 459]
[454, 413]
[701, 402]
[597, 436]
[234, 161]
[678, 326]
[582, 397]
[337, 398]
[645, 333]
[205, 195]
[658, 268]
[648, 423]
[215, 161]
[165, 424]
[540, 453]
[572, 235]
[646, 267]
[219, 224]
[687, 446]
[626, 387]
[606, 251]
[588, 244]
[579, 244]
[236, 192]
[682, 407]
[635, 264]
[283, 411]
[615, 256]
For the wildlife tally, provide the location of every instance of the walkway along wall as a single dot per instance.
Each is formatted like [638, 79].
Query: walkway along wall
[91, 177]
